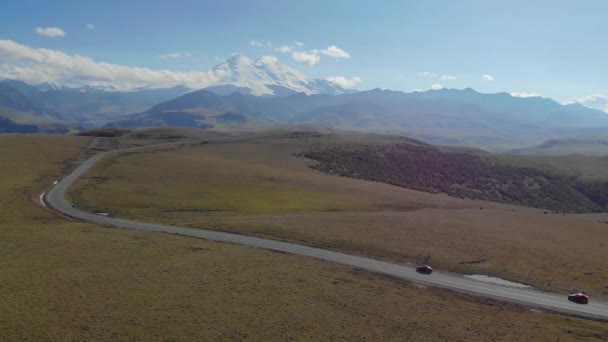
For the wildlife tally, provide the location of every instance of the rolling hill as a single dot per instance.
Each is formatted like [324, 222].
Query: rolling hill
[462, 175]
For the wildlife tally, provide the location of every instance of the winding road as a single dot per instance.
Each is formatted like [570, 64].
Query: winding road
[55, 199]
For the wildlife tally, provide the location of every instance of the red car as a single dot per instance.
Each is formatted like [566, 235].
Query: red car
[579, 298]
[424, 269]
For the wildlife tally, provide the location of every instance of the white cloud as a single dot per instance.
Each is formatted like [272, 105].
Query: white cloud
[487, 77]
[428, 74]
[267, 60]
[260, 44]
[284, 49]
[31, 65]
[332, 51]
[305, 57]
[525, 94]
[294, 45]
[313, 57]
[344, 82]
[596, 101]
[436, 86]
[176, 55]
[35, 65]
[90, 26]
[50, 31]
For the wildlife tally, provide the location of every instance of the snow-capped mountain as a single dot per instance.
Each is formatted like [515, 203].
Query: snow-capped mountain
[267, 76]
[264, 76]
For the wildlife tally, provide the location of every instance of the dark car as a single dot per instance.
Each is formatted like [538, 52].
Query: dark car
[424, 269]
[579, 298]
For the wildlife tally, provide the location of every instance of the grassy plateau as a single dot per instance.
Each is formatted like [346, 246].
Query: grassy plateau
[259, 187]
[70, 281]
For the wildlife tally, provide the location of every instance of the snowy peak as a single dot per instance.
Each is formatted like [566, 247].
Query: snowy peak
[266, 74]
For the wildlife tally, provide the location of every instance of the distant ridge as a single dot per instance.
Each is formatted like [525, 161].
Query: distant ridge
[497, 122]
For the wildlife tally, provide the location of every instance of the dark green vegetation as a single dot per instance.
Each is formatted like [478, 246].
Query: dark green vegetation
[463, 175]
[70, 281]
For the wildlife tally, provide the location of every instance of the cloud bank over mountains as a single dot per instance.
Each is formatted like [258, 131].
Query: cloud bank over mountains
[596, 101]
[36, 65]
[31, 65]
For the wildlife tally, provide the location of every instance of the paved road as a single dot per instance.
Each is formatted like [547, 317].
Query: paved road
[55, 199]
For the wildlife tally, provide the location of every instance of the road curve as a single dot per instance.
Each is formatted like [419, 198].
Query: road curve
[55, 199]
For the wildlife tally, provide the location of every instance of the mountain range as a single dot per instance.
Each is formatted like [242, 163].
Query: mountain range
[497, 122]
[249, 94]
[90, 106]
[86, 107]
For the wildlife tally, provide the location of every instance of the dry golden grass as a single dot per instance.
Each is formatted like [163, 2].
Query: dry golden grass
[260, 188]
[64, 280]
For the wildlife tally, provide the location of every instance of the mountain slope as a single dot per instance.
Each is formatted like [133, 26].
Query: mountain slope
[82, 107]
[18, 114]
[202, 109]
[12, 98]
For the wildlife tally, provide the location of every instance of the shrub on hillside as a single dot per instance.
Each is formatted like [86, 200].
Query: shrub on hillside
[461, 175]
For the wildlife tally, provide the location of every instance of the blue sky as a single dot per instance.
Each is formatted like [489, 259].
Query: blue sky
[554, 48]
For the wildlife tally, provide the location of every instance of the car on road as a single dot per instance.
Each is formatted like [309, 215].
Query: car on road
[424, 269]
[579, 298]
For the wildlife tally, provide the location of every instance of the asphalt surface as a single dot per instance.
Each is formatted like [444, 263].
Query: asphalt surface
[55, 199]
